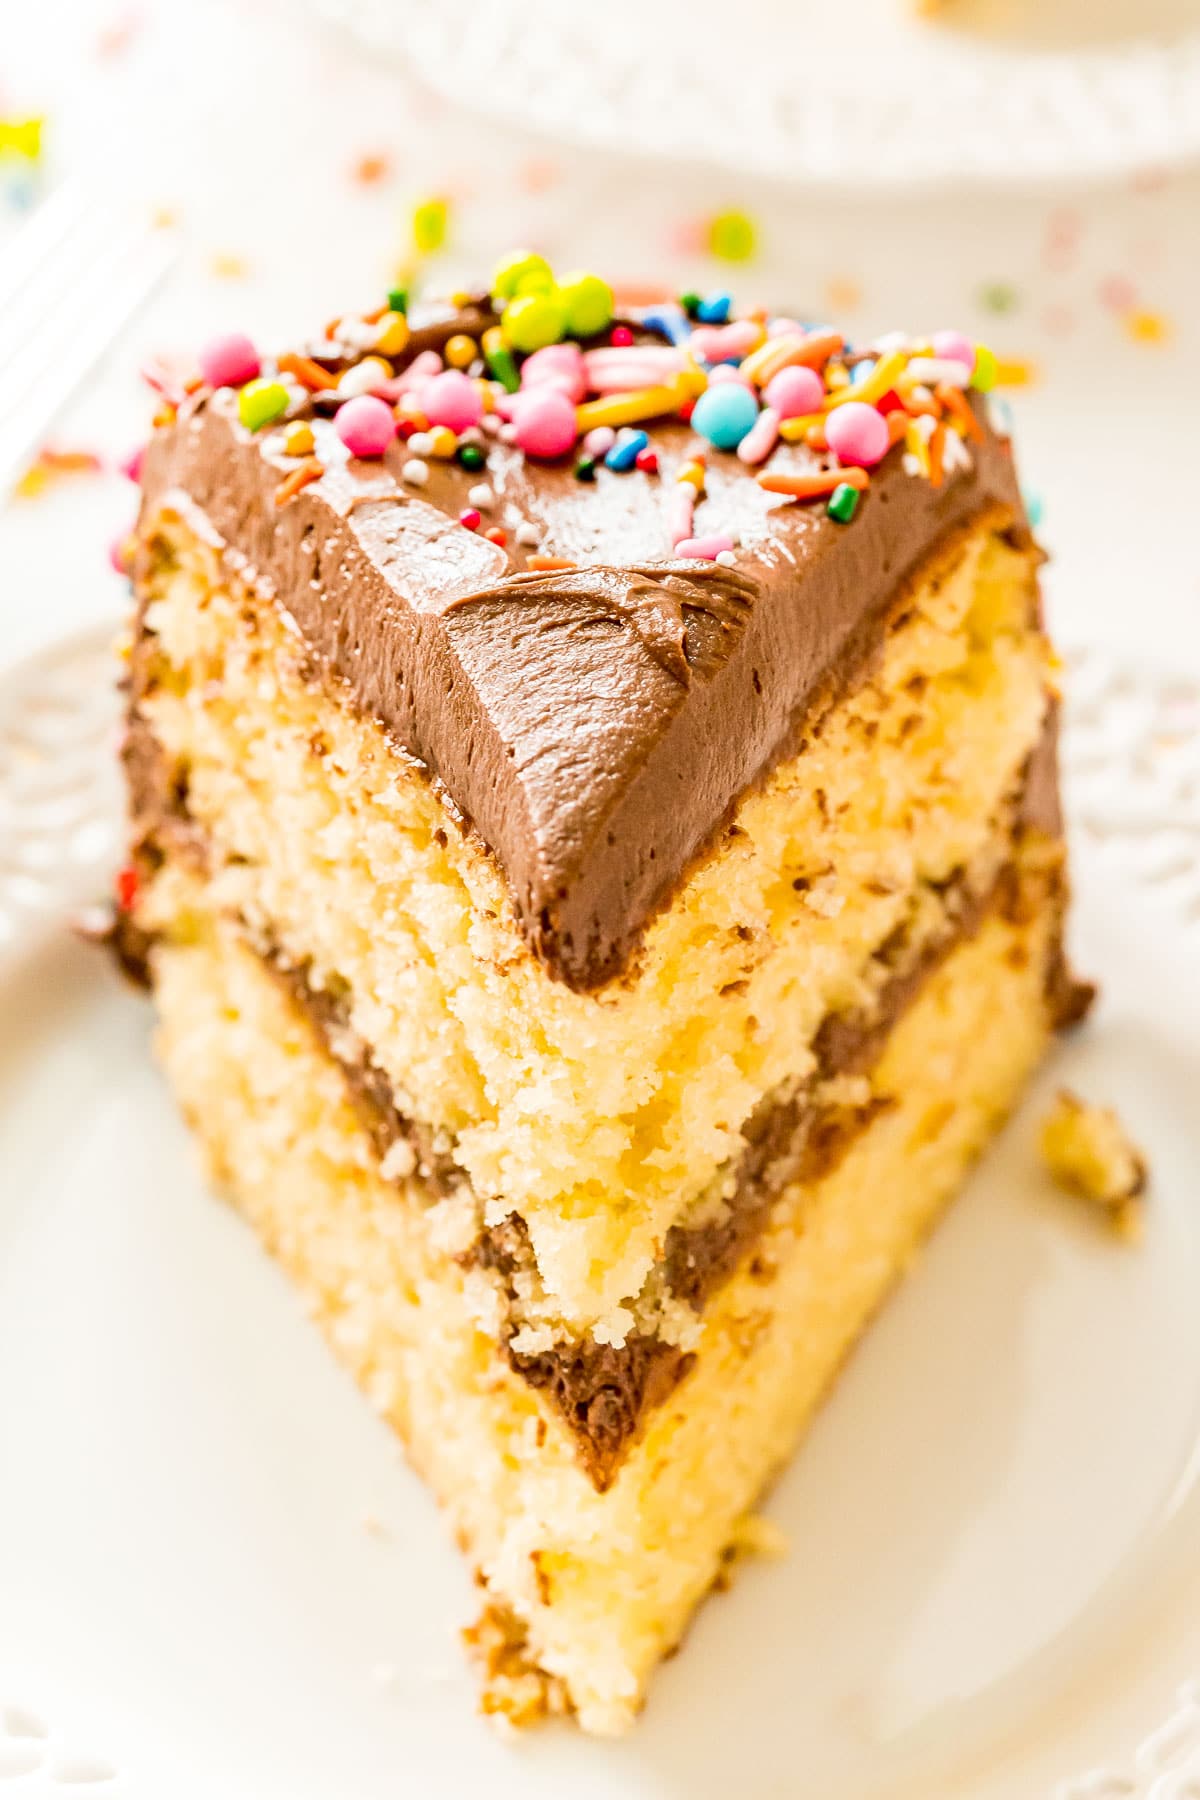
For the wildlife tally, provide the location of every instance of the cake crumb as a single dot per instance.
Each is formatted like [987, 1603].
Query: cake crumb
[514, 1691]
[1089, 1153]
[752, 1536]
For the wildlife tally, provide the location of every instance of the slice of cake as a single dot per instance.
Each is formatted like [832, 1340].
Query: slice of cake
[595, 848]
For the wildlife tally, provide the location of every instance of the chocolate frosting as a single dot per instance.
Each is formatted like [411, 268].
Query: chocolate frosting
[593, 725]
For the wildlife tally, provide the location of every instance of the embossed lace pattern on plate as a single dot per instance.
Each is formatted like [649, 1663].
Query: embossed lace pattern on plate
[40, 1767]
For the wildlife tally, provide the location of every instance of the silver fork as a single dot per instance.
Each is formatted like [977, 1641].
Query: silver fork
[70, 280]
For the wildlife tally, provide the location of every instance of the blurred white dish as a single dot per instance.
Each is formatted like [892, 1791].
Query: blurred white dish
[808, 91]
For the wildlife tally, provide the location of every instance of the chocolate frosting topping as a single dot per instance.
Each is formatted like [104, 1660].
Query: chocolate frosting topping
[593, 724]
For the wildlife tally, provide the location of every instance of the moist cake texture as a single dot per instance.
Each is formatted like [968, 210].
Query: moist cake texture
[595, 846]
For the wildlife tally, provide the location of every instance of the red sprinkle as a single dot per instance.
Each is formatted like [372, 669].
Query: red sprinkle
[686, 409]
[470, 518]
[621, 336]
[891, 402]
[127, 888]
[647, 461]
[496, 535]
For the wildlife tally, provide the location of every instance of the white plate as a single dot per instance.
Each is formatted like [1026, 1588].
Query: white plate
[217, 1577]
[862, 94]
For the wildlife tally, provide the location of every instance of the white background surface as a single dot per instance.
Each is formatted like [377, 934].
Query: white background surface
[220, 1620]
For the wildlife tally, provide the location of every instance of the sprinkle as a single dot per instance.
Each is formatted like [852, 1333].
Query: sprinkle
[795, 392]
[585, 469]
[126, 886]
[481, 496]
[692, 474]
[559, 366]
[430, 225]
[937, 446]
[1147, 327]
[714, 309]
[858, 433]
[797, 430]
[1033, 508]
[469, 518]
[624, 451]
[726, 558]
[930, 370]
[599, 441]
[812, 350]
[397, 299]
[229, 361]
[471, 457]
[261, 401]
[882, 377]
[983, 375]
[680, 512]
[495, 534]
[532, 321]
[451, 399]
[998, 297]
[620, 337]
[393, 333]
[461, 350]
[415, 472]
[372, 168]
[811, 487]
[308, 373]
[671, 322]
[528, 533]
[690, 303]
[761, 438]
[131, 467]
[421, 443]
[732, 236]
[365, 425]
[647, 461]
[725, 413]
[721, 343]
[917, 448]
[1013, 372]
[549, 563]
[544, 422]
[298, 440]
[498, 357]
[633, 408]
[589, 303]
[443, 443]
[706, 549]
[521, 272]
[621, 371]
[958, 406]
[843, 503]
[311, 469]
[364, 377]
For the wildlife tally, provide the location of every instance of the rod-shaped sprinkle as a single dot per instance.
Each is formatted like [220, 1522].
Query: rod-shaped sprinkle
[813, 350]
[643, 403]
[760, 440]
[811, 487]
[883, 376]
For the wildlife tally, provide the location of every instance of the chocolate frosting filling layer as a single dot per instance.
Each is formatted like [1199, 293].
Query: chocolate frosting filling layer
[593, 725]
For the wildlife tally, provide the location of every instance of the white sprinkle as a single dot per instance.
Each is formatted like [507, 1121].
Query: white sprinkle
[528, 533]
[910, 464]
[481, 496]
[999, 415]
[357, 333]
[924, 425]
[726, 558]
[363, 377]
[507, 434]
[491, 423]
[415, 472]
[892, 340]
[955, 454]
[472, 435]
[939, 368]
[421, 443]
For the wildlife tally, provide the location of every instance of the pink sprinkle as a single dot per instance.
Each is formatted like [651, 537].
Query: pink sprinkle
[229, 361]
[794, 392]
[647, 460]
[642, 365]
[783, 327]
[557, 365]
[419, 370]
[599, 441]
[725, 372]
[131, 466]
[365, 425]
[955, 348]
[717, 343]
[761, 438]
[544, 422]
[118, 552]
[706, 549]
[857, 434]
[681, 512]
[451, 399]
[620, 335]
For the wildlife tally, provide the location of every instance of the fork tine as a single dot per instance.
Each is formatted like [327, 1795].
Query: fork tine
[51, 307]
[67, 269]
[40, 239]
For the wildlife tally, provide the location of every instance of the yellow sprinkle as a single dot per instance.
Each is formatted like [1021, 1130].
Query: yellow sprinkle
[298, 440]
[393, 333]
[33, 482]
[21, 137]
[442, 443]
[794, 431]
[882, 377]
[694, 474]
[430, 225]
[461, 350]
[227, 266]
[916, 445]
[642, 403]
[1146, 327]
[1015, 374]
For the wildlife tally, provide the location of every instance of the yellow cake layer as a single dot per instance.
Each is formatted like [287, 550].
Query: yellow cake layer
[598, 1117]
[602, 1584]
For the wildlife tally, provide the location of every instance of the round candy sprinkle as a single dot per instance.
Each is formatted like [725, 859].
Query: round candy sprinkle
[599, 440]
[732, 236]
[589, 303]
[496, 534]
[451, 399]
[442, 443]
[261, 401]
[298, 439]
[461, 350]
[585, 469]
[843, 503]
[521, 272]
[857, 434]
[364, 377]
[724, 414]
[532, 321]
[469, 517]
[954, 347]
[229, 361]
[544, 421]
[392, 334]
[647, 461]
[481, 496]
[471, 456]
[983, 375]
[415, 472]
[366, 425]
[794, 392]
[621, 337]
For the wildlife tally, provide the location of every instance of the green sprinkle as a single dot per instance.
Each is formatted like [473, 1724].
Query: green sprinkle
[261, 401]
[398, 300]
[984, 375]
[843, 503]
[430, 224]
[690, 303]
[998, 296]
[732, 236]
[585, 469]
[499, 359]
[471, 456]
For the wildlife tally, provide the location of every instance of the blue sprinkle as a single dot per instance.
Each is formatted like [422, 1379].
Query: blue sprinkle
[626, 450]
[671, 321]
[714, 309]
[861, 370]
[1034, 509]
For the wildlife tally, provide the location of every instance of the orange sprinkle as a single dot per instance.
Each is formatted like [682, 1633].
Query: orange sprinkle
[815, 438]
[956, 403]
[547, 563]
[937, 446]
[897, 425]
[308, 373]
[311, 469]
[635, 293]
[812, 487]
[164, 416]
[375, 166]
